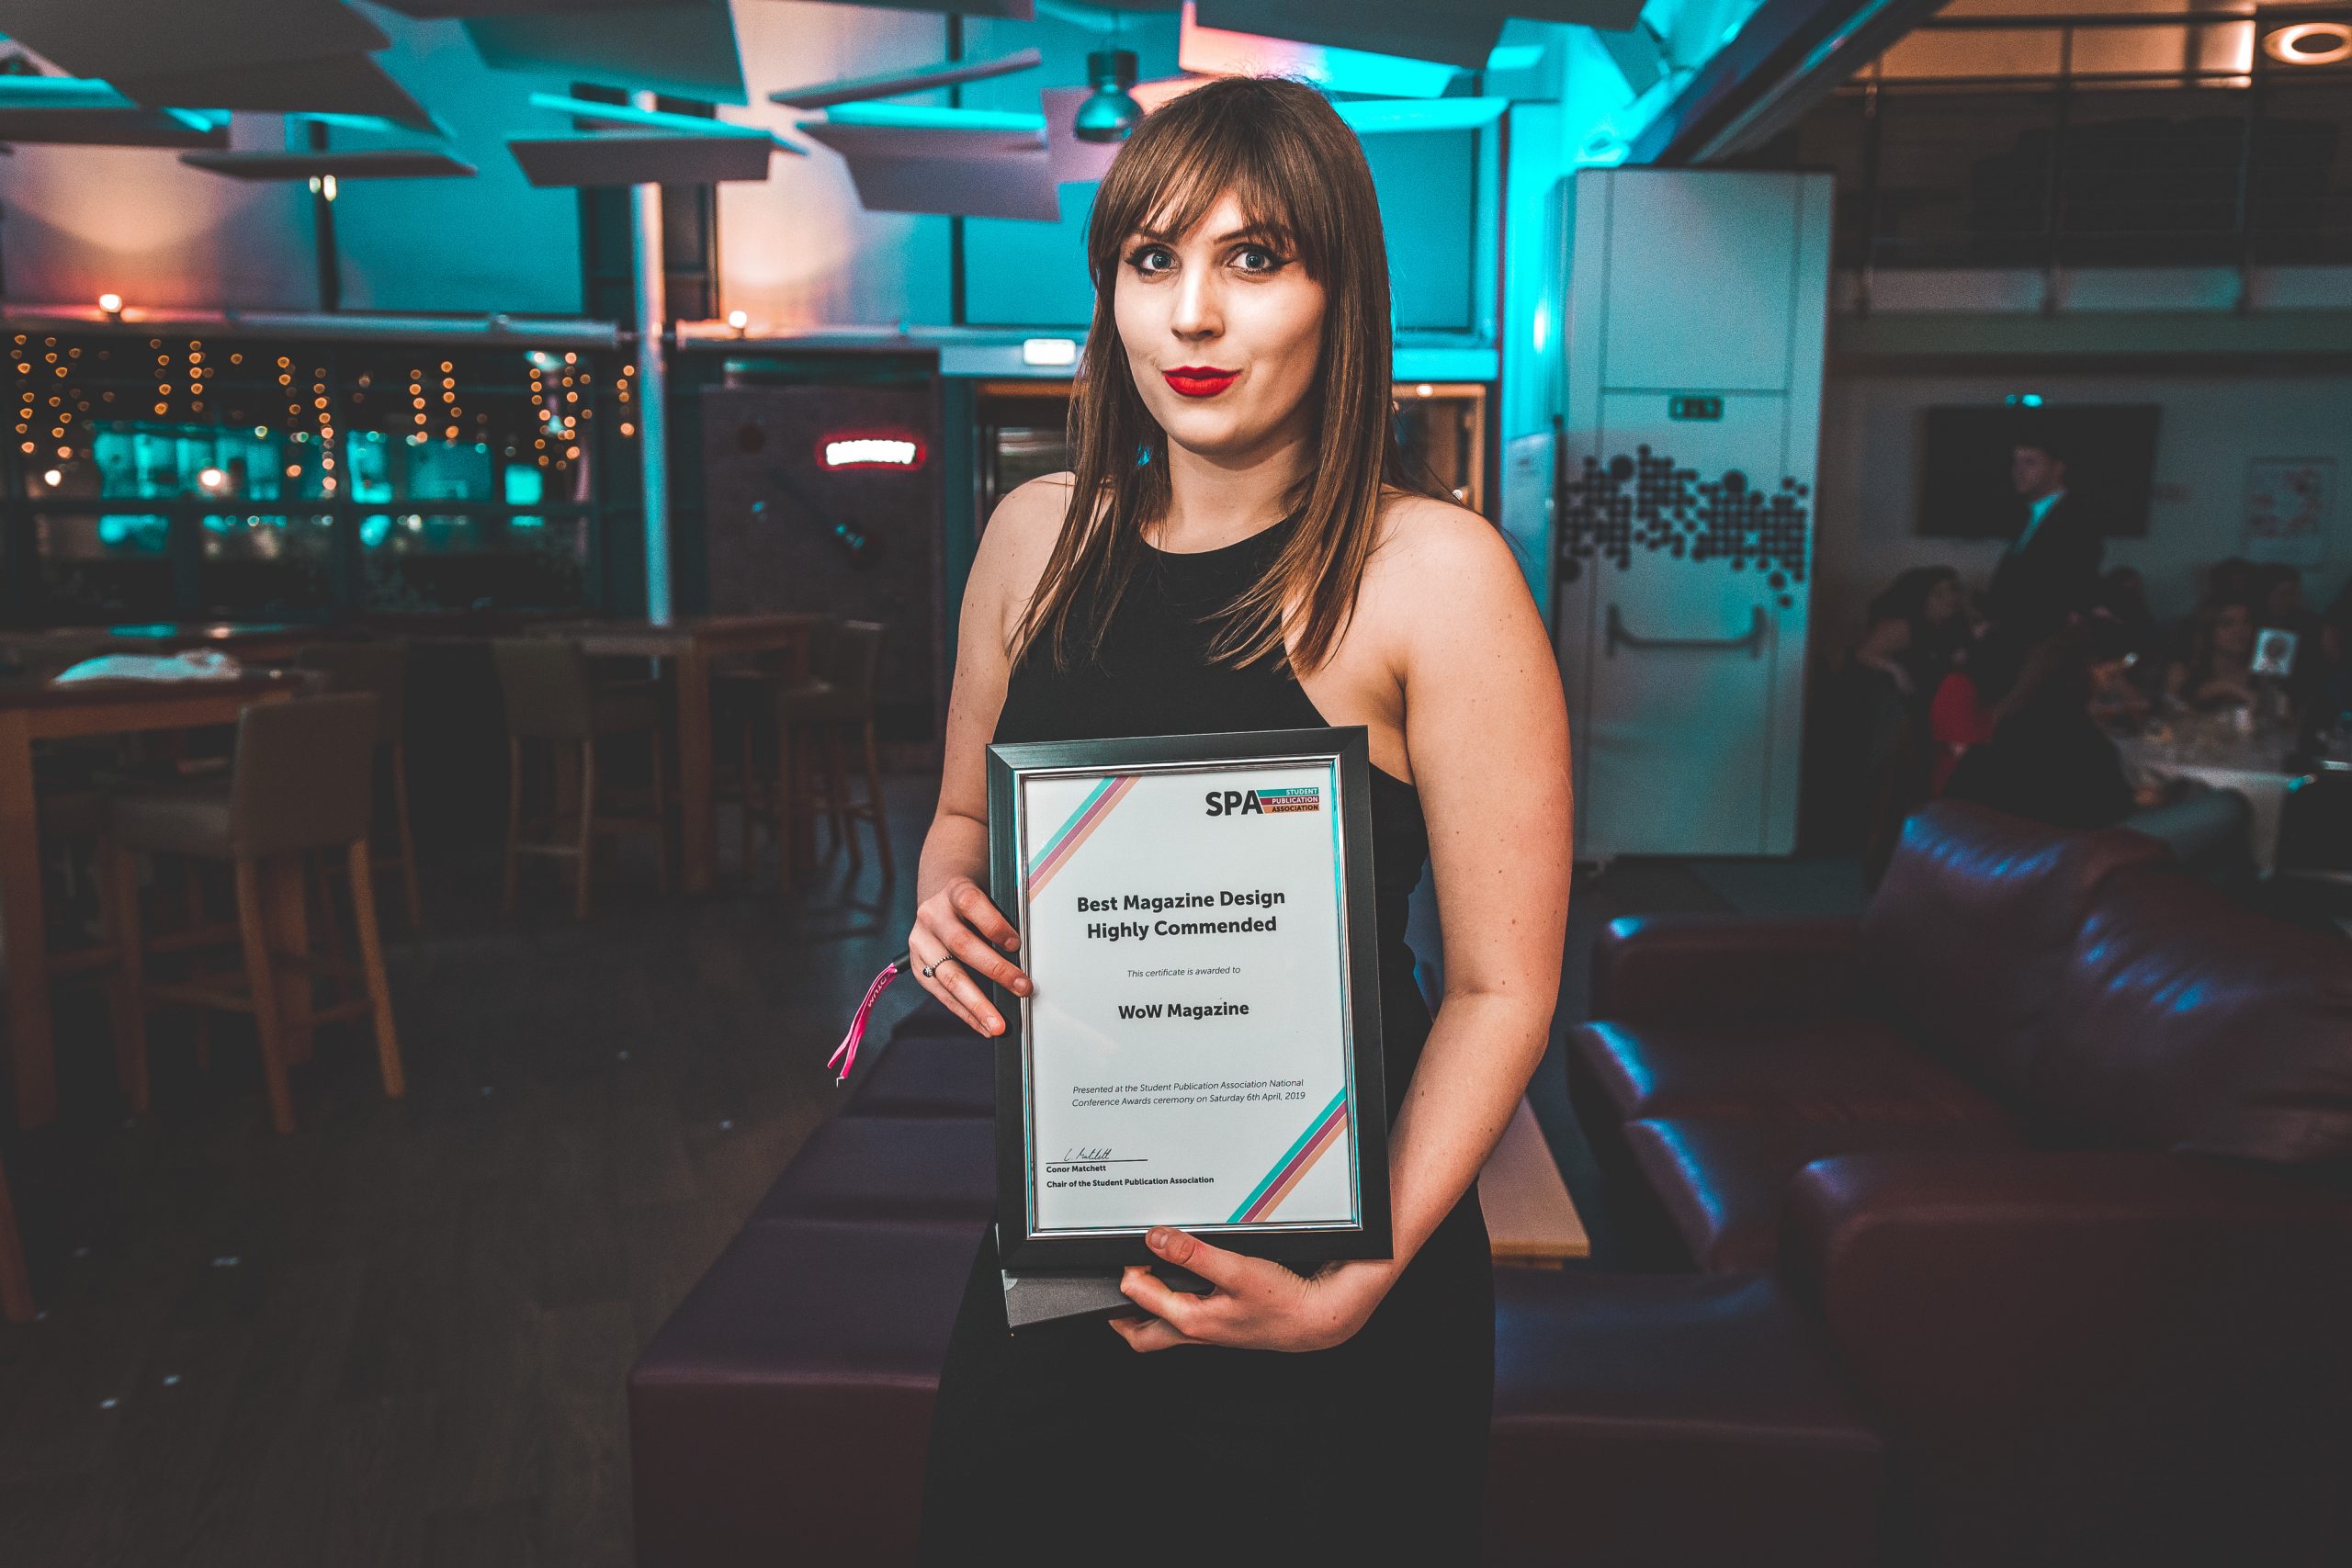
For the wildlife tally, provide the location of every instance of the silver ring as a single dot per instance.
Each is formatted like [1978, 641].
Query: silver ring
[928, 970]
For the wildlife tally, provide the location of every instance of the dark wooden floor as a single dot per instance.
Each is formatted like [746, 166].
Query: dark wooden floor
[399, 1336]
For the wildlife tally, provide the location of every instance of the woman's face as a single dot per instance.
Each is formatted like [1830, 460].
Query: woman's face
[2234, 631]
[1944, 604]
[1223, 332]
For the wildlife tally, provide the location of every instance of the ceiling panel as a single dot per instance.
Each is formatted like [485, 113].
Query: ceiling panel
[621, 158]
[441, 10]
[349, 83]
[1008, 10]
[891, 84]
[974, 173]
[376, 163]
[686, 51]
[107, 128]
[1461, 33]
[116, 38]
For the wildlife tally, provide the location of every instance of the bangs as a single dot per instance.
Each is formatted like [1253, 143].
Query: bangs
[1165, 185]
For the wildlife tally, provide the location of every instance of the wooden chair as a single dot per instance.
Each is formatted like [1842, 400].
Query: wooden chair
[553, 700]
[299, 783]
[70, 819]
[380, 667]
[829, 711]
[67, 816]
[743, 696]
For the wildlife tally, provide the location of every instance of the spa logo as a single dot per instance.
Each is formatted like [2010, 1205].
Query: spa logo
[1248, 802]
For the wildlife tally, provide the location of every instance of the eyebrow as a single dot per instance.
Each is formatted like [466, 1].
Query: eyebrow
[1250, 232]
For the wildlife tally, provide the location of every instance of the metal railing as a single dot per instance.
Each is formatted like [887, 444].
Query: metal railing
[2061, 141]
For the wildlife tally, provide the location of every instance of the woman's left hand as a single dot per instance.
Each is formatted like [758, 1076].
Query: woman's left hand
[1258, 1304]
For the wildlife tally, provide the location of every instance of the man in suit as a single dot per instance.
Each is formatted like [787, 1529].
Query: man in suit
[2051, 569]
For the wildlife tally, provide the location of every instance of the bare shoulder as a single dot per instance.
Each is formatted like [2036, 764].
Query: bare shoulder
[1029, 519]
[1431, 550]
[1018, 539]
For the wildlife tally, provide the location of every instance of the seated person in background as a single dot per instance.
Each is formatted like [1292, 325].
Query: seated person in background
[1970, 702]
[2332, 658]
[1878, 772]
[2279, 601]
[2118, 700]
[2219, 669]
[1915, 629]
[2047, 759]
[2278, 606]
[2122, 600]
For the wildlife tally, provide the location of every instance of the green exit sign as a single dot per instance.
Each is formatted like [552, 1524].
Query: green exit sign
[1691, 405]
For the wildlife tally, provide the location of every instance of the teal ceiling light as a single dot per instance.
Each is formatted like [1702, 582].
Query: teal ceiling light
[1111, 112]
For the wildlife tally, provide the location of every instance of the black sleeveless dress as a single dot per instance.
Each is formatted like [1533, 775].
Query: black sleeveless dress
[1061, 1439]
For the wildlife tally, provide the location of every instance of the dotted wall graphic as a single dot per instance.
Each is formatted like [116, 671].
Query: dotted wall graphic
[1645, 499]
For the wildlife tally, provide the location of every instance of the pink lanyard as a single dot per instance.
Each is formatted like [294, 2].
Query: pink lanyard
[845, 1055]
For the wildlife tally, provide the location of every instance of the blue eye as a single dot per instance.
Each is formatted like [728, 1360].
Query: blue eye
[1138, 258]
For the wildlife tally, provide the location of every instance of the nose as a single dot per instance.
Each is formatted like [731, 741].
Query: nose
[1197, 312]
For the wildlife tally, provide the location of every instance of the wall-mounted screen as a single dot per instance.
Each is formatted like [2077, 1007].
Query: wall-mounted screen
[1966, 490]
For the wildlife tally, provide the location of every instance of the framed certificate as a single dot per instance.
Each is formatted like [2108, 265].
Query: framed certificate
[1202, 1047]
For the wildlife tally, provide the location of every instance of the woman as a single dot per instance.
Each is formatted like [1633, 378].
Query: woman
[1878, 770]
[1970, 702]
[1240, 547]
[1917, 627]
[2219, 671]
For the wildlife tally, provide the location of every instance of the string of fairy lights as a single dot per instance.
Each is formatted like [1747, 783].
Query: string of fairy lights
[69, 393]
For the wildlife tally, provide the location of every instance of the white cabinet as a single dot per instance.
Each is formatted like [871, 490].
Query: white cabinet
[1697, 307]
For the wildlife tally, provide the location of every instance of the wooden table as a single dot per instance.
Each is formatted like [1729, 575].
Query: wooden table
[2252, 767]
[252, 641]
[1530, 1220]
[694, 642]
[31, 711]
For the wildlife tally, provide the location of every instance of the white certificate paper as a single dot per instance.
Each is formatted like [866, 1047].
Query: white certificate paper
[1188, 1044]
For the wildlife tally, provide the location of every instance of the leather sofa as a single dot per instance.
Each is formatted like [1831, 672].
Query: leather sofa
[2054, 1144]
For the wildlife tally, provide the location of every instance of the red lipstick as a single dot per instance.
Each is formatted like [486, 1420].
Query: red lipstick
[1200, 380]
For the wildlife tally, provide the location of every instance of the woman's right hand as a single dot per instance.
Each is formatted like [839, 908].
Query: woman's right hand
[956, 934]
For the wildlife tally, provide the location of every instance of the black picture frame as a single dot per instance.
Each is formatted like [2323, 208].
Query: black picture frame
[1348, 749]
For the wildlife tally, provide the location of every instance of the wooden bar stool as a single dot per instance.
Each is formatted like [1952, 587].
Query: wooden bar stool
[829, 711]
[380, 667]
[300, 783]
[15, 1284]
[553, 700]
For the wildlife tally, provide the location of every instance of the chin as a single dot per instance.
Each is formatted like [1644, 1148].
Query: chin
[1210, 431]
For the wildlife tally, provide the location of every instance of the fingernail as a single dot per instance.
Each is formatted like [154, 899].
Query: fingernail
[1020, 986]
[1158, 1238]
[996, 1024]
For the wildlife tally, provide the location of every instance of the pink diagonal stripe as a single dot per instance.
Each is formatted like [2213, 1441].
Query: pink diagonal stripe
[1081, 833]
[1304, 1161]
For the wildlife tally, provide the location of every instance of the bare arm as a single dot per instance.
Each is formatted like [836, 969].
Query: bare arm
[953, 914]
[1482, 708]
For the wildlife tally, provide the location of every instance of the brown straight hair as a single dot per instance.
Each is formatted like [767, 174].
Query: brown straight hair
[1298, 173]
